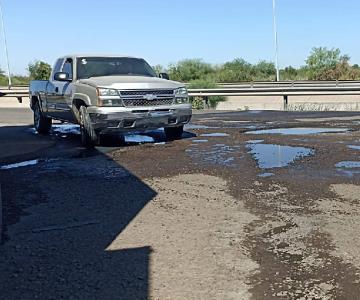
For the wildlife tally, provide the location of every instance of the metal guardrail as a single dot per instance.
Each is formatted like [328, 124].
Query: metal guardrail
[281, 88]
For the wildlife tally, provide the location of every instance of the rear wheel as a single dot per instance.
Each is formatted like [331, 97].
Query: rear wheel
[174, 133]
[42, 123]
[89, 137]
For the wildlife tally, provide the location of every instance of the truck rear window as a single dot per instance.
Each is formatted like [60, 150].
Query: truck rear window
[109, 66]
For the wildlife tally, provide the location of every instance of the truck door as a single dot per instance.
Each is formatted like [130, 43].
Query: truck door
[64, 92]
[59, 92]
[52, 89]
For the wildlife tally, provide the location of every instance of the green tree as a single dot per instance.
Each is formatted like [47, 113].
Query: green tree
[236, 71]
[265, 70]
[322, 63]
[39, 70]
[190, 69]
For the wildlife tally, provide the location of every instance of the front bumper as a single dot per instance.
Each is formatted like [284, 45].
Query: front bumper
[123, 119]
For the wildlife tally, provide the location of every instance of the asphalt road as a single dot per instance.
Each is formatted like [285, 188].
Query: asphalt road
[224, 213]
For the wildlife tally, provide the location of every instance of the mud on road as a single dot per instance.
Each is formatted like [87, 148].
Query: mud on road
[230, 211]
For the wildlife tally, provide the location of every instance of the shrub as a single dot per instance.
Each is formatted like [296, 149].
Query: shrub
[204, 84]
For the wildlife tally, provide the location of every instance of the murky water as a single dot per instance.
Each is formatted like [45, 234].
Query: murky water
[297, 131]
[275, 156]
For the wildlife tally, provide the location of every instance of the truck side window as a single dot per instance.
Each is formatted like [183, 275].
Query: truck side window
[57, 66]
[67, 68]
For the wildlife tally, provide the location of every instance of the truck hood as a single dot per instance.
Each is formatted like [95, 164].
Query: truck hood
[131, 82]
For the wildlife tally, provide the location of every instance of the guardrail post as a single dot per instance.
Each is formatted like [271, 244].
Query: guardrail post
[286, 102]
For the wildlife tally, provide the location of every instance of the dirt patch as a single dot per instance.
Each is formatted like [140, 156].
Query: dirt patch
[196, 231]
[342, 217]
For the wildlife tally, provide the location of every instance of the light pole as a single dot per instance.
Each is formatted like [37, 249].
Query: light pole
[276, 42]
[5, 44]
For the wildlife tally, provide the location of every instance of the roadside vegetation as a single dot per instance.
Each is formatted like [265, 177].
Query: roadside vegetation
[321, 64]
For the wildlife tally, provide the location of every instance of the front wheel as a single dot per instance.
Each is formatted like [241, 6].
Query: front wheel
[89, 137]
[174, 133]
[42, 123]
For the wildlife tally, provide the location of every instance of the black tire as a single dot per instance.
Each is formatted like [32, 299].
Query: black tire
[42, 124]
[174, 133]
[89, 137]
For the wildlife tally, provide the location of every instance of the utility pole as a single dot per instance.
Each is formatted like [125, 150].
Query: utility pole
[5, 44]
[276, 43]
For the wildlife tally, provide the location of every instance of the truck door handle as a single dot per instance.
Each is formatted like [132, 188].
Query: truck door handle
[56, 90]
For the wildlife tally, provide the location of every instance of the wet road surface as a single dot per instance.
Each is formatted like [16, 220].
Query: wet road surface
[246, 205]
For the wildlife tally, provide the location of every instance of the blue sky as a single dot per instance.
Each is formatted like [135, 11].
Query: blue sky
[164, 32]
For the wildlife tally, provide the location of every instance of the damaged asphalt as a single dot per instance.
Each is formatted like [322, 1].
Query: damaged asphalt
[227, 212]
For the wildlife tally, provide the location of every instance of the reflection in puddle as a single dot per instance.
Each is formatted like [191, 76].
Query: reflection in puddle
[298, 131]
[215, 134]
[348, 164]
[20, 164]
[219, 154]
[275, 156]
[354, 147]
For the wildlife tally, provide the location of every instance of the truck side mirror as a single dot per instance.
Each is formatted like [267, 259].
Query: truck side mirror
[164, 76]
[61, 76]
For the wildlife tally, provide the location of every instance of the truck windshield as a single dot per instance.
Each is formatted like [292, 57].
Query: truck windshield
[108, 66]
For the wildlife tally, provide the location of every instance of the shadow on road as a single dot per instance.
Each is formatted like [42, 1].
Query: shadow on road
[64, 213]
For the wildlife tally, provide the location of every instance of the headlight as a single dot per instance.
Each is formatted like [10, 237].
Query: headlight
[108, 92]
[181, 96]
[181, 92]
[109, 97]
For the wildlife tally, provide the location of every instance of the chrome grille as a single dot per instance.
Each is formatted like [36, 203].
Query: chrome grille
[141, 97]
[144, 102]
[145, 92]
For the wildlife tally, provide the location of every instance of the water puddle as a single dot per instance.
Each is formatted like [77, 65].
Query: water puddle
[20, 164]
[215, 134]
[219, 154]
[348, 164]
[348, 168]
[196, 126]
[298, 131]
[354, 147]
[254, 141]
[200, 141]
[275, 156]
[264, 175]
[66, 129]
[138, 139]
